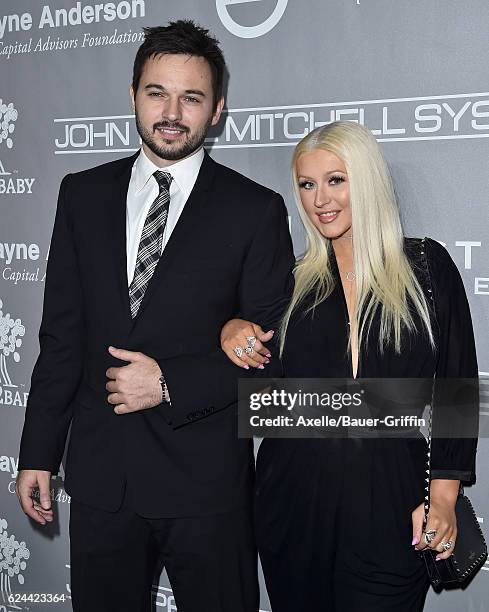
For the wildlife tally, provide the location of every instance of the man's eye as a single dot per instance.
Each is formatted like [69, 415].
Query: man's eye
[190, 99]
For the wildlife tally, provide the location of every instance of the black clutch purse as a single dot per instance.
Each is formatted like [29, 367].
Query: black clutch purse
[470, 550]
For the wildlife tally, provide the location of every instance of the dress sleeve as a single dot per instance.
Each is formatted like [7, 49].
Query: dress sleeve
[456, 393]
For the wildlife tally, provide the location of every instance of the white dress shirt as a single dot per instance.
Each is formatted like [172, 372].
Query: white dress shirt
[143, 190]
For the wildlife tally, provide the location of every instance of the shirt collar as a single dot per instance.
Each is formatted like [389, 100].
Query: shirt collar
[184, 172]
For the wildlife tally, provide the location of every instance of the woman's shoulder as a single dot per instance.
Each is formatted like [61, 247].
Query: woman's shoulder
[436, 254]
[423, 252]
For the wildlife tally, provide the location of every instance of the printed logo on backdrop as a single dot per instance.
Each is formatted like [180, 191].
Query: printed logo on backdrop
[8, 117]
[475, 257]
[450, 117]
[11, 334]
[231, 23]
[9, 465]
[163, 598]
[114, 134]
[9, 183]
[49, 17]
[14, 257]
[13, 562]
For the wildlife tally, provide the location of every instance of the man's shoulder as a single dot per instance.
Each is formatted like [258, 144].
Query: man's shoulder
[228, 177]
[102, 171]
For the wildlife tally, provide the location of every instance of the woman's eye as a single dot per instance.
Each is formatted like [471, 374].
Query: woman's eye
[336, 180]
[306, 185]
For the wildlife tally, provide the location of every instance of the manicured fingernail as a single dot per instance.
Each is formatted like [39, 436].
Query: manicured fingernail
[270, 331]
[415, 540]
[246, 367]
[269, 354]
[261, 366]
[437, 558]
[267, 360]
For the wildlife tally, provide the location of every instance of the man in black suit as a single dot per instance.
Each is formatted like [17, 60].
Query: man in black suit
[150, 256]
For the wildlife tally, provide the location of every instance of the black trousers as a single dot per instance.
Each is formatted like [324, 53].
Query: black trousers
[211, 561]
[333, 524]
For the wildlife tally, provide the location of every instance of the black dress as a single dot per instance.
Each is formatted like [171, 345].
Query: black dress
[333, 516]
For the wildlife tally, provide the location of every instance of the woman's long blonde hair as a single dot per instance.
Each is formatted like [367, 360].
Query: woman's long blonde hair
[384, 278]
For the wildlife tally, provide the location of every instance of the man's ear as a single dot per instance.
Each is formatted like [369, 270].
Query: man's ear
[133, 101]
[217, 113]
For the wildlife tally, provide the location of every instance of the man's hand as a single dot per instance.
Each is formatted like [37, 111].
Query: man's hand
[27, 481]
[135, 386]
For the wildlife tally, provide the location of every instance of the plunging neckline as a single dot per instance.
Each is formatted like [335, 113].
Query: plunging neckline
[339, 282]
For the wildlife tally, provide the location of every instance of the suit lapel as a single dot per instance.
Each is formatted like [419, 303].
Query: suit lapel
[116, 227]
[190, 220]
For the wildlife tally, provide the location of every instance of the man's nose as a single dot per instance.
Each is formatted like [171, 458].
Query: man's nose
[172, 110]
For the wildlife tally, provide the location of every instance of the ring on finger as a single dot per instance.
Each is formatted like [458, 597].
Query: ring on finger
[238, 350]
[251, 340]
[429, 536]
[249, 350]
[446, 545]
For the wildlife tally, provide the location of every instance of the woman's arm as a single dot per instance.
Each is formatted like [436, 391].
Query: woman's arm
[455, 422]
[456, 393]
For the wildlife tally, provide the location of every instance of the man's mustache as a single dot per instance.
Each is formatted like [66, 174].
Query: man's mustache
[172, 126]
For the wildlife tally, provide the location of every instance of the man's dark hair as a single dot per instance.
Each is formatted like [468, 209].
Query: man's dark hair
[186, 38]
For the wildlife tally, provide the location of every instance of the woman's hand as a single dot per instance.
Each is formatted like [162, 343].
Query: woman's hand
[441, 518]
[239, 333]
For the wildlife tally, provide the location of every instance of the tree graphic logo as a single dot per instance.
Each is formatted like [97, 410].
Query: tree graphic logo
[249, 31]
[13, 557]
[11, 333]
[8, 117]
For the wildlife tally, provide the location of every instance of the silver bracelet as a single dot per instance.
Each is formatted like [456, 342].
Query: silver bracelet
[165, 396]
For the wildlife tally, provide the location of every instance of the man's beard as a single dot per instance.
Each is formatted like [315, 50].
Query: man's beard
[173, 152]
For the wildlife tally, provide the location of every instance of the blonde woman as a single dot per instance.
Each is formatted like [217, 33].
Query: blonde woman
[339, 521]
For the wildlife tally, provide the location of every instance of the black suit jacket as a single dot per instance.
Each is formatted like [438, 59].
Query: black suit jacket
[229, 254]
